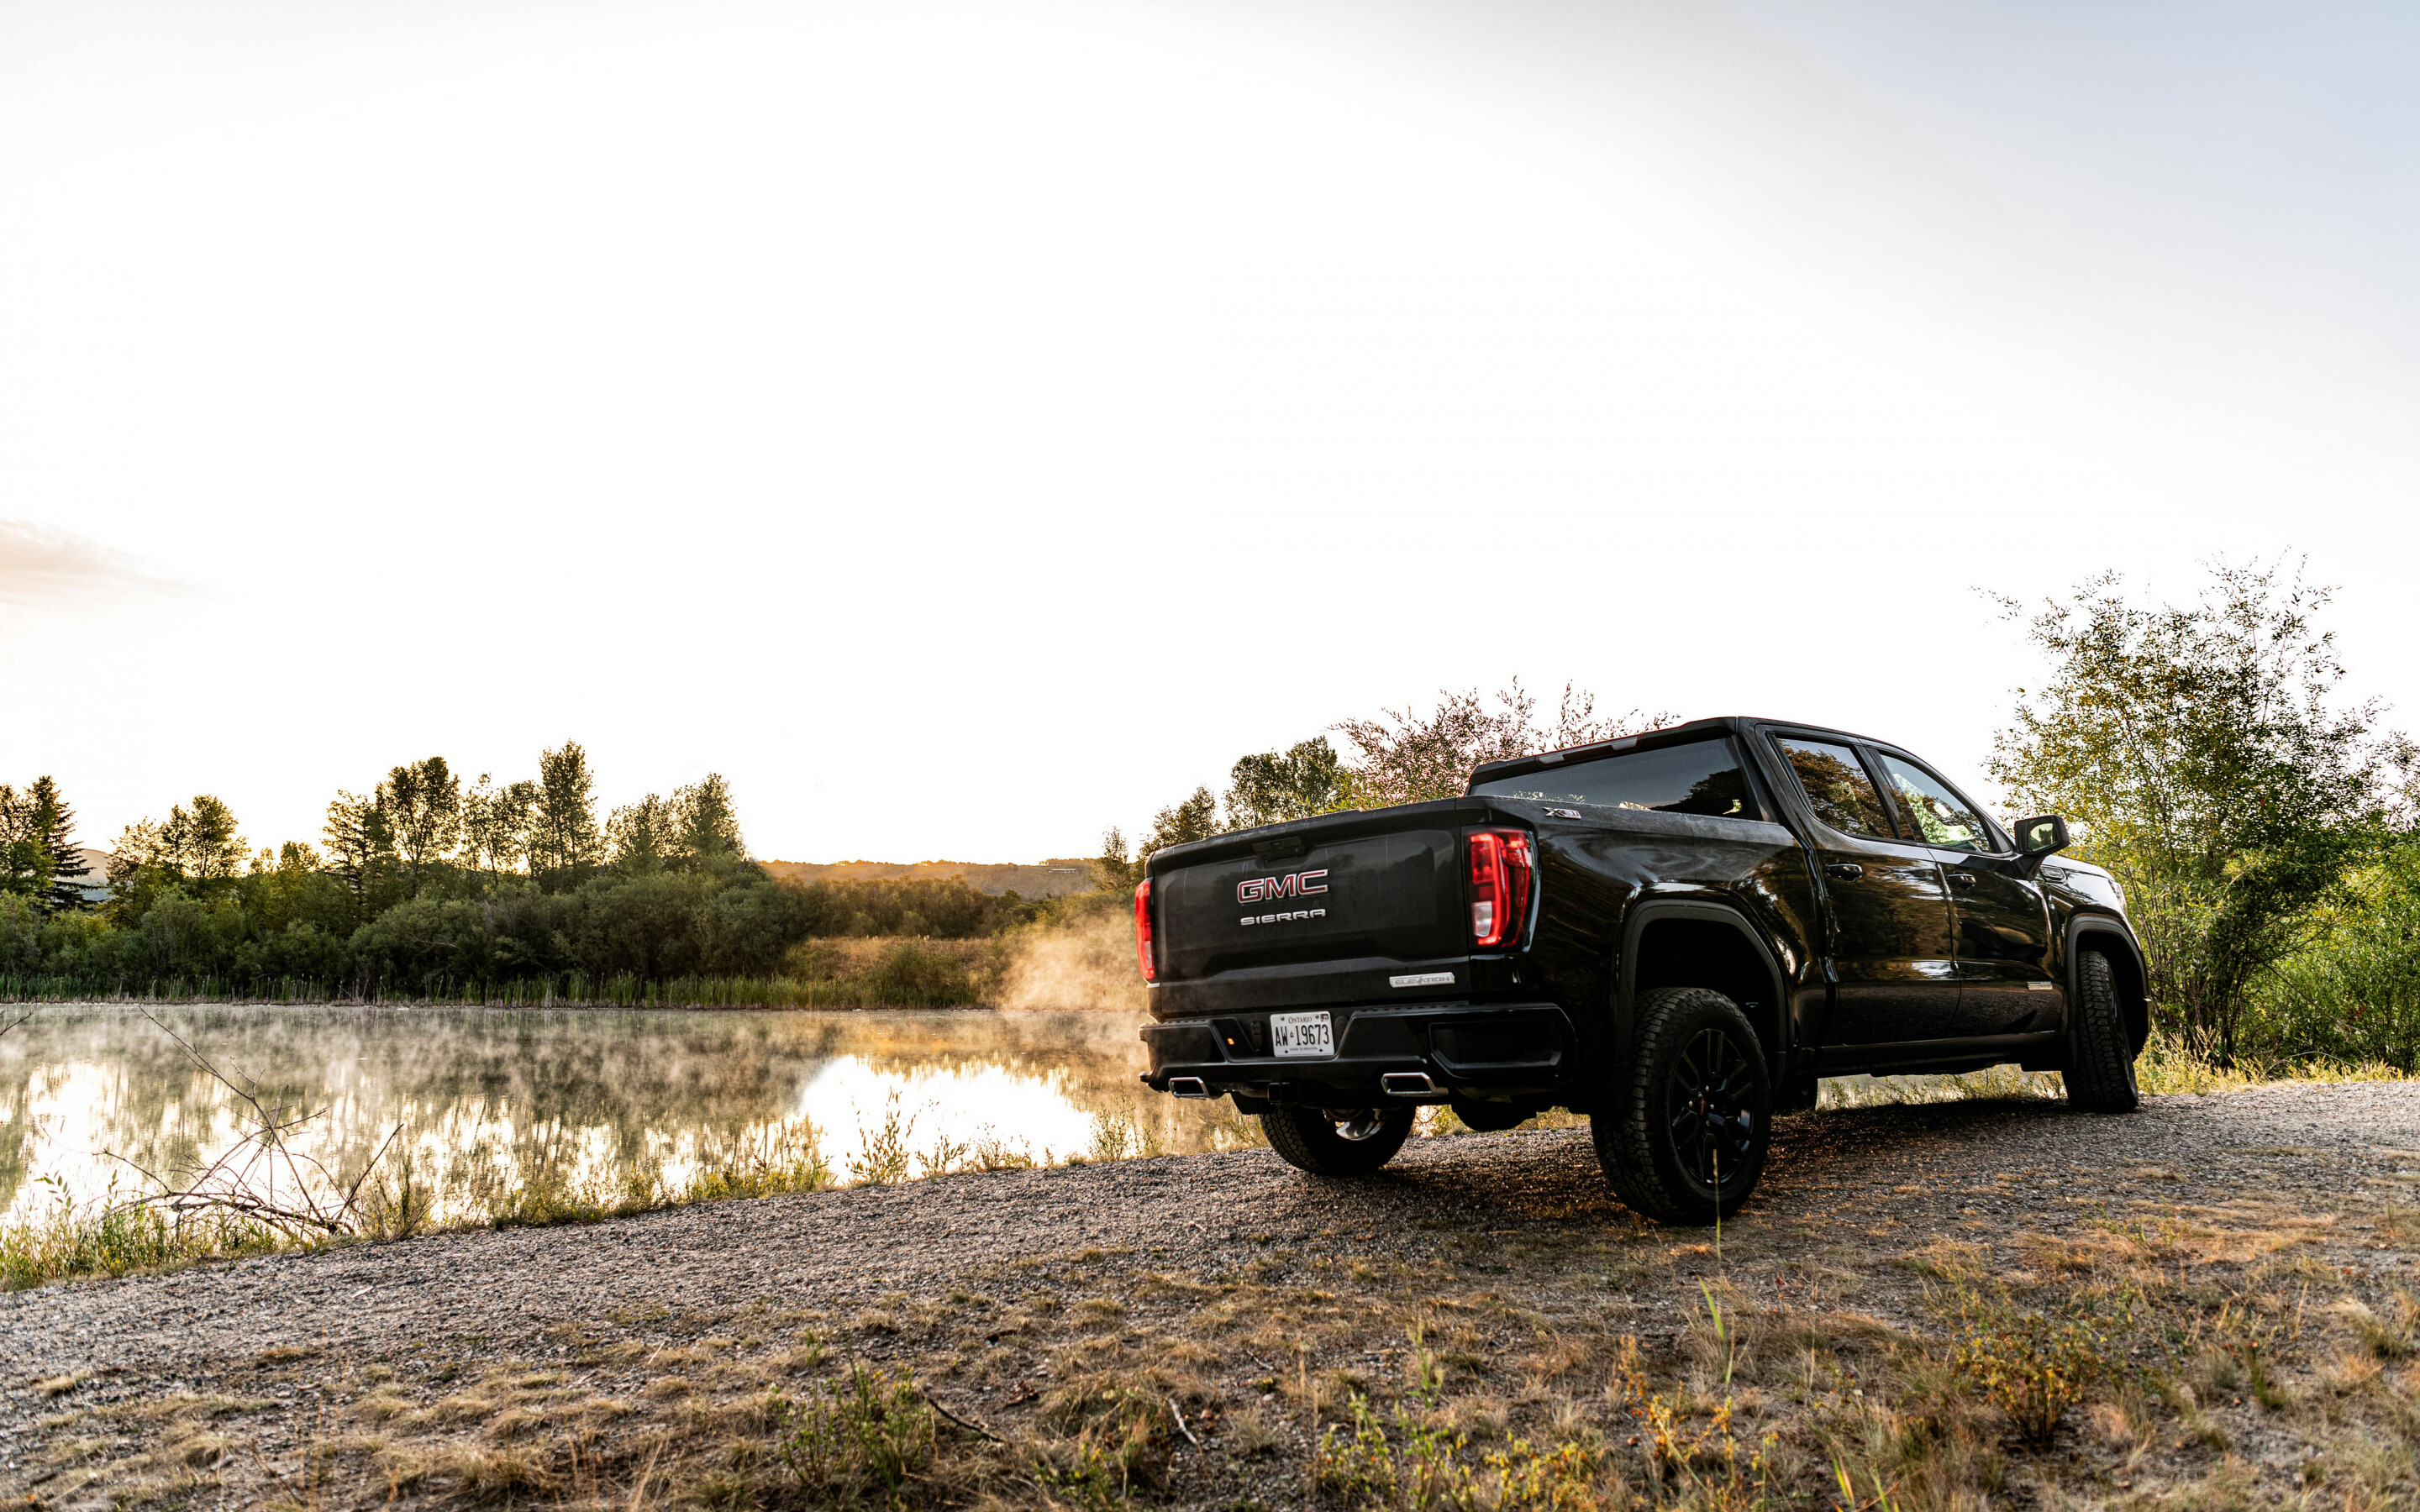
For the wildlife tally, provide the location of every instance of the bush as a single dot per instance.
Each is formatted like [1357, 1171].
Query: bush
[83, 947]
[428, 947]
[2353, 993]
[945, 908]
[2031, 1366]
[20, 936]
[913, 974]
[864, 1438]
[300, 952]
[648, 927]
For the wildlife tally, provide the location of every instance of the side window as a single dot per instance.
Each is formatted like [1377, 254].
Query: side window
[1700, 778]
[1837, 786]
[1942, 817]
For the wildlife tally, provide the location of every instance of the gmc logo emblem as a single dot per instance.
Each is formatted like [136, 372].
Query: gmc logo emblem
[1296, 885]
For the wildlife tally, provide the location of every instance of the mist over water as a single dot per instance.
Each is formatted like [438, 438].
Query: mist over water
[1090, 963]
[491, 1101]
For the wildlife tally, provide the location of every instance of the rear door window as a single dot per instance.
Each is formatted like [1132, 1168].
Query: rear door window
[1837, 786]
[1700, 778]
[1942, 817]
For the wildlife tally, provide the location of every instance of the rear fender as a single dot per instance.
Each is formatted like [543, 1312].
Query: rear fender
[1691, 943]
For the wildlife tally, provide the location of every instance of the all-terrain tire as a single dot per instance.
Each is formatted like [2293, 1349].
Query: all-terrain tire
[1309, 1140]
[2101, 1068]
[1684, 1133]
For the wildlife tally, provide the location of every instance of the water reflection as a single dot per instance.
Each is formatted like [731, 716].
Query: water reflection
[492, 1101]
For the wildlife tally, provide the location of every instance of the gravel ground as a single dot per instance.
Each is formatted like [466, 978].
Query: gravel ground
[1847, 1188]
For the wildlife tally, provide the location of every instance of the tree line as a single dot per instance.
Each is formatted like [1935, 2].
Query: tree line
[426, 885]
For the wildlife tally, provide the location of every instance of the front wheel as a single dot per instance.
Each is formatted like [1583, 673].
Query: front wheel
[1684, 1135]
[2101, 1071]
[1334, 1142]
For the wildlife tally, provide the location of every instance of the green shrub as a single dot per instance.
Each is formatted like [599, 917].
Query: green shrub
[863, 1438]
[2353, 993]
[2030, 1366]
[912, 974]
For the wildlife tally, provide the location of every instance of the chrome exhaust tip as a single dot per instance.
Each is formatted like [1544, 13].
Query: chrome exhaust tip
[1189, 1086]
[1409, 1083]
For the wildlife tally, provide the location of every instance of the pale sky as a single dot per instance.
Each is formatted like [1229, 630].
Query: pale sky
[968, 425]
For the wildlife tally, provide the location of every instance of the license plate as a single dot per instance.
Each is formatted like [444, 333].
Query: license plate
[1301, 1034]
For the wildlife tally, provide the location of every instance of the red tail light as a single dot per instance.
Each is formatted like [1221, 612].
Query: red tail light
[1500, 868]
[1142, 932]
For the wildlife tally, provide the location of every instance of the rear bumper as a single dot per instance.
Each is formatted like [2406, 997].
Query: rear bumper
[1513, 1049]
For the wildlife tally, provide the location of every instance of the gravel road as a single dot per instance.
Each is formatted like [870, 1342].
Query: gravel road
[1887, 1178]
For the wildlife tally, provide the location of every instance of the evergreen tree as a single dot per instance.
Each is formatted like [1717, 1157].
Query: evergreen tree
[359, 843]
[54, 822]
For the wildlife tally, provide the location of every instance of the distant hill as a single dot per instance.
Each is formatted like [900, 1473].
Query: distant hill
[1051, 879]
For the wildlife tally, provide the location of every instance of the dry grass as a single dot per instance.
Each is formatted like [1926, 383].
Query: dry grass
[2190, 1350]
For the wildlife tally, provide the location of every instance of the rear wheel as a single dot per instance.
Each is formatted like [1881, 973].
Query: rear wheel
[1684, 1135]
[1336, 1141]
[2100, 1072]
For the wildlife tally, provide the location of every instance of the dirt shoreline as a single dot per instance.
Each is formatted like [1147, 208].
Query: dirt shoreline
[1230, 1275]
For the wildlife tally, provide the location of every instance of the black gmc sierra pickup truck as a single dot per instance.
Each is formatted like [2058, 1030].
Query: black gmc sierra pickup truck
[1675, 934]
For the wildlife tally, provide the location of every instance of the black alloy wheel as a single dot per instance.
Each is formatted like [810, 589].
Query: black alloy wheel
[1683, 1132]
[1336, 1141]
[1712, 1104]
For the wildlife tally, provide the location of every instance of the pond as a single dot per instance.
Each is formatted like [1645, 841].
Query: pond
[480, 1103]
[489, 1108]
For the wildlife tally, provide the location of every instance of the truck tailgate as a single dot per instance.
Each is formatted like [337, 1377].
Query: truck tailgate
[1334, 909]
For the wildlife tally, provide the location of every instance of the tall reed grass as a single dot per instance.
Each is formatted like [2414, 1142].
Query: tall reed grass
[102, 1236]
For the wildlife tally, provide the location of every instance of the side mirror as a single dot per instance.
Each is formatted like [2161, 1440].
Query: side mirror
[2040, 838]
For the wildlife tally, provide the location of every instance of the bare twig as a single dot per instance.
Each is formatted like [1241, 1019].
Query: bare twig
[243, 1179]
[355, 1191]
[939, 1406]
[1178, 1414]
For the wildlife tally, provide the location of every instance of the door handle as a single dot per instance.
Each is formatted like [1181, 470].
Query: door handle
[1962, 879]
[1845, 871]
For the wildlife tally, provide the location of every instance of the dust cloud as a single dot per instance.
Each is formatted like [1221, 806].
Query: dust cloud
[1087, 963]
